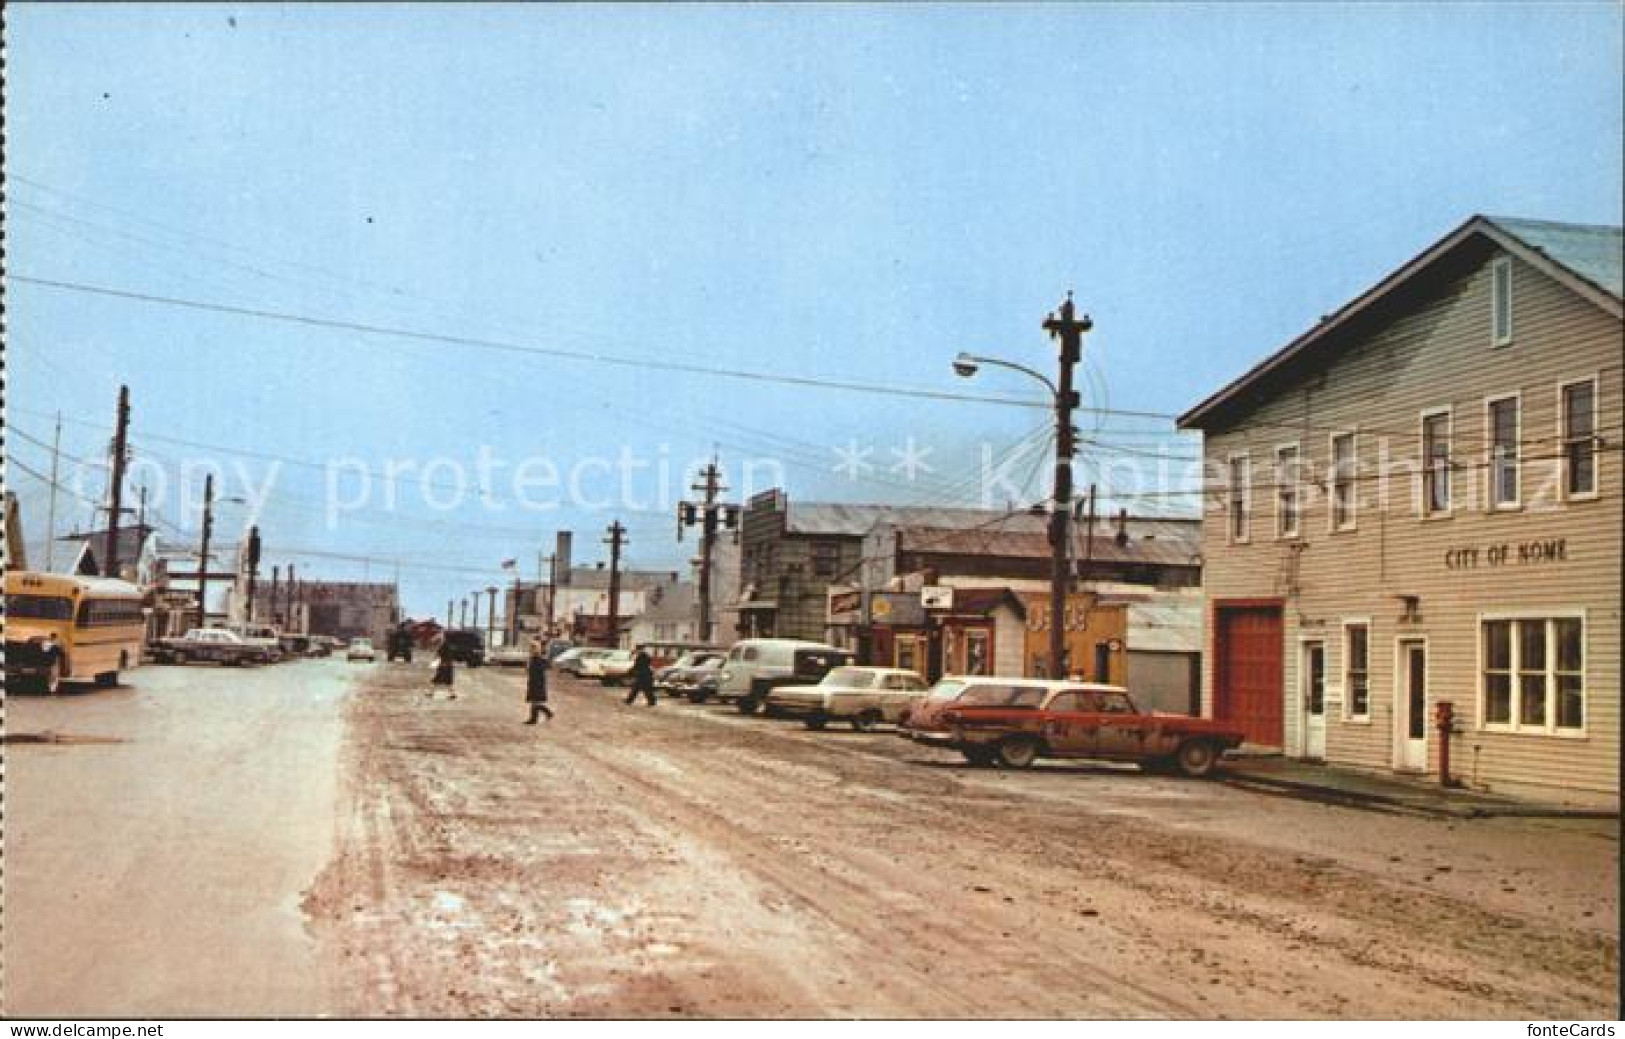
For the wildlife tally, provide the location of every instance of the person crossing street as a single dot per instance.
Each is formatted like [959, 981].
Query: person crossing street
[536, 683]
[643, 678]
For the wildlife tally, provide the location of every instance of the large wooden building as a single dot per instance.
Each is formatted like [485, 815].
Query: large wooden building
[1418, 503]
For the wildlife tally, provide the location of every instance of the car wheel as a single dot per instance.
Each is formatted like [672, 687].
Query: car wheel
[747, 705]
[980, 757]
[1018, 752]
[182, 658]
[815, 722]
[698, 696]
[1197, 758]
[107, 679]
[866, 720]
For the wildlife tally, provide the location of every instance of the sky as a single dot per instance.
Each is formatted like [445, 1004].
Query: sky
[319, 241]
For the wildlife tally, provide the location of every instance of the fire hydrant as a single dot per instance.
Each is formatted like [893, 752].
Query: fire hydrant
[1444, 719]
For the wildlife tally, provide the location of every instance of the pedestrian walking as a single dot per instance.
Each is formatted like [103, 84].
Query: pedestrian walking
[643, 678]
[443, 669]
[536, 683]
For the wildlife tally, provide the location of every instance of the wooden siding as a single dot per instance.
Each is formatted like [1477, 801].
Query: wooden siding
[1438, 353]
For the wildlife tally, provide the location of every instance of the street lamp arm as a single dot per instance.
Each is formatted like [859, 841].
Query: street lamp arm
[1040, 376]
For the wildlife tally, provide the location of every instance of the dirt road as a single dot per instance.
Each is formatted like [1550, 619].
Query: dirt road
[157, 848]
[682, 861]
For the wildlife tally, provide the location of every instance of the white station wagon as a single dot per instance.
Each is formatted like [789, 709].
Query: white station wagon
[863, 696]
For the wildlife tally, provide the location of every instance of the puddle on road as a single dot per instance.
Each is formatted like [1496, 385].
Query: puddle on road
[58, 738]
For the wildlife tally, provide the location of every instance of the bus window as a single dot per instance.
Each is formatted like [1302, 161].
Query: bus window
[39, 608]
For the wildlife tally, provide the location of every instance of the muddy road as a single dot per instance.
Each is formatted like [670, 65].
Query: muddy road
[687, 862]
[159, 837]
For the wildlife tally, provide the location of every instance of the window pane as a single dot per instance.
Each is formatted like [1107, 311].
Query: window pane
[1531, 699]
[1498, 645]
[1497, 699]
[1532, 646]
[1436, 462]
[1358, 680]
[1579, 447]
[1570, 702]
[1569, 652]
[1504, 451]
[1501, 301]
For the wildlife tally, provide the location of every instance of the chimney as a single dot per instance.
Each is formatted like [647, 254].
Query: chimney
[561, 557]
[1122, 527]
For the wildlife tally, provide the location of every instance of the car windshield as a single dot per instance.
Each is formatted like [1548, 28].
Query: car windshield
[850, 677]
[620, 654]
[946, 689]
[39, 607]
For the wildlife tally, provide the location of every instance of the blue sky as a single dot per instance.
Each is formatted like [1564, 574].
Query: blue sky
[848, 192]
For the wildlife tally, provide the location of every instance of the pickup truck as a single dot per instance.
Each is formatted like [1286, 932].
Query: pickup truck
[1014, 722]
[217, 644]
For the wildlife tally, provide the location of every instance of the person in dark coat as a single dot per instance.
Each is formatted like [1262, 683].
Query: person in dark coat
[443, 669]
[536, 683]
[643, 678]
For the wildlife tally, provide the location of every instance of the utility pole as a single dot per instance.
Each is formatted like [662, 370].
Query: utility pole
[513, 614]
[616, 541]
[121, 438]
[463, 617]
[141, 513]
[253, 568]
[476, 608]
[276, 576]
[552, 587]
[491, 618]
[292, 601]
[706, 514]
[1068, 329]
[50, 521]
[203, 552]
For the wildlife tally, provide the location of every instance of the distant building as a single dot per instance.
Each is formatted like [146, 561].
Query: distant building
[16, 549]
[1418, 504]
[790, 555]
[342, 609]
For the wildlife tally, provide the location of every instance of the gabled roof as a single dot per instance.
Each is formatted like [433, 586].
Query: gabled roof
[1165, 542]
[1583, 257]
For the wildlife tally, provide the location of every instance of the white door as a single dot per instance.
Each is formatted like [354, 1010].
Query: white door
[1411, 708]
[1314, 701]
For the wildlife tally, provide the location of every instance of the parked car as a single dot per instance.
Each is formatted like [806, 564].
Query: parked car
[756, 666]
[861, 696]
[467, 645]
[318, 646]
[509, 656]
[1014, 722]
[261, 635]
[558, 647]
[572, 661]
[361, 649]
[693, 658]
[216, 644]
[612, 668]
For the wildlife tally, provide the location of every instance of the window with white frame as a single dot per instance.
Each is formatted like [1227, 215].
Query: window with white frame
[1534, 674]
[1357, 669]
[1240, 477]
[1287, 493]
[1503, 461]
[1343, 465]
[1501, 301]
[1436, 463]
[1580, 438]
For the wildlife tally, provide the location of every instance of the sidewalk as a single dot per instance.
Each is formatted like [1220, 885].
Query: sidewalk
[1314, 782]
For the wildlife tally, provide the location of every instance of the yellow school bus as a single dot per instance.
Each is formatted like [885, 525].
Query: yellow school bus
[64, 628]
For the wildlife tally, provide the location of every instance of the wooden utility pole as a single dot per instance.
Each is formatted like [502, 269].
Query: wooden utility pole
[708, 514]
[463, 617]
[476, 607]
[450, 614]
[292, 602]
[203, 552]
[50, 520]
[276, 577]
[121, 439]
[616, 541]
[1068, 329]
[253, 569]
[491, 617]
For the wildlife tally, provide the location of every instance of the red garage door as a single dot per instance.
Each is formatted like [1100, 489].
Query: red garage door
[1247, 670]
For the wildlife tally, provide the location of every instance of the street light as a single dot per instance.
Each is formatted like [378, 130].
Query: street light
[1069, 329]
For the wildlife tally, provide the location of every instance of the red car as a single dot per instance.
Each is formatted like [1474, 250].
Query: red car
[1016, 721]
